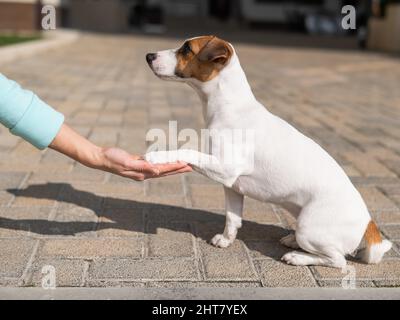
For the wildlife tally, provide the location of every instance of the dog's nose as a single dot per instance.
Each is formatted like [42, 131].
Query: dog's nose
[150, 57]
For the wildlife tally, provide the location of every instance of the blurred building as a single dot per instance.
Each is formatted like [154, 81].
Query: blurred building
[312, 16]
[23, 15]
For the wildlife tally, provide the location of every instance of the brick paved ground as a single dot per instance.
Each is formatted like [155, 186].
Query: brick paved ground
[101, 230]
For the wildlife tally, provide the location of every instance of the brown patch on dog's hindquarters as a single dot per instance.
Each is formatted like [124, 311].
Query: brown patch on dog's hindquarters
[202, 58]
[372, 234]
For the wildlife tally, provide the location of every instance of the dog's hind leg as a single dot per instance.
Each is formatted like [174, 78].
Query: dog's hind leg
[234, 208]
[320, 250]
[290, 241]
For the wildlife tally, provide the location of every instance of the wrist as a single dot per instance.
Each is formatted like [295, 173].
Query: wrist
[96, 158]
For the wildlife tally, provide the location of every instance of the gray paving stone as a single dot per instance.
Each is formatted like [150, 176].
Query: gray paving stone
[226, 263]
[23, 221]
[149, 269]
[170, 240]
[266, 249]
[384, 271]
[11, 180]
[68, 272]
[87, 248]
[120, 222]
[277, 274]
[14, 256]
[392, 231]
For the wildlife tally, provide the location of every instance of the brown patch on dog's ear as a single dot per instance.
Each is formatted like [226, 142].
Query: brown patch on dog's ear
[372, 234]
[202, 58]
[216, 50]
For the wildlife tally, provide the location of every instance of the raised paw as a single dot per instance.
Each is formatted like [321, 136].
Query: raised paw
[290, 241]
[157, 157]
[221, 241]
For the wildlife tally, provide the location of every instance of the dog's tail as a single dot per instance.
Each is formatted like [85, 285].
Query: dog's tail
[375, 246]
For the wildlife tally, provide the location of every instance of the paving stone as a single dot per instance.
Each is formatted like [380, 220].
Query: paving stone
[376, 201]
[151, 269]
[68, 272]
[346, 284]
[101, 283]
[266, 249]
[385, 270]
[259, 212]
[170, 240]
[72, 221]
[87, 248]
[144, 201]
[265, 232]
[392, 231]
[278, 274]
[22, 221]
[78, 174]
[367, 165]
[226, 263]
[117, 222]
[11, 180]
[12, 265]
[36, 195]
[204, 284]
[387, 217]
[5, 198]
[197, 178]
[166, 186]
[172, 213]
[207, 196]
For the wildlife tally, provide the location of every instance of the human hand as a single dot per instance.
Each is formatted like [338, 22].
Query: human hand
[122, 163]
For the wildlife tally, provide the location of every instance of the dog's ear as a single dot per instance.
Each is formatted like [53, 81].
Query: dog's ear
[215, 50]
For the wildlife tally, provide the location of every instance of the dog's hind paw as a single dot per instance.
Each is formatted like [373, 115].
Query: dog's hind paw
[296, 258]
[221, 241]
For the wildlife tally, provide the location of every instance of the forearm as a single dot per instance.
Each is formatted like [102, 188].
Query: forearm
[75, 146]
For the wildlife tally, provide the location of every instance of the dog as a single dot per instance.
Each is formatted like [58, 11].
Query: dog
[289, 169]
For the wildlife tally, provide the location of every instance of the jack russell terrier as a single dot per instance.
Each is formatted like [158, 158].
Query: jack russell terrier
[288, 168]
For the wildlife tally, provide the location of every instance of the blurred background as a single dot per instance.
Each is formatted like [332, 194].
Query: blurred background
[301, 22]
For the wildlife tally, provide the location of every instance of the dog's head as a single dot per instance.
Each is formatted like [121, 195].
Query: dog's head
[201, 58]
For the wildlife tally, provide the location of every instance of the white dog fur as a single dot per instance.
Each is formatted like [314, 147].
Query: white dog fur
[290, 169]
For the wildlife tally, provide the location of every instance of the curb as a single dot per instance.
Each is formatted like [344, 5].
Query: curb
[52, 39]
[199, 294]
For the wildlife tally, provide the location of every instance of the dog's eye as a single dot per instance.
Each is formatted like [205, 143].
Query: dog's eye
[186, 49]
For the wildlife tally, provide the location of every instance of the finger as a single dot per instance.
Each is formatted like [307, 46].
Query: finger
[169, 167]
[137, 176]
[170, 173]
[143, 166]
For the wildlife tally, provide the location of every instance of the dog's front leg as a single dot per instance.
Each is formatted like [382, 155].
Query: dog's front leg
[234, 209]
[205, 164]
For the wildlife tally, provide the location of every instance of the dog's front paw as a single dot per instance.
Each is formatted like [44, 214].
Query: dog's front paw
[156, 157]
[221, 241]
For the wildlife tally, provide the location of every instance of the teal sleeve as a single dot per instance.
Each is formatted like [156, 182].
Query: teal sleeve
[26, 115]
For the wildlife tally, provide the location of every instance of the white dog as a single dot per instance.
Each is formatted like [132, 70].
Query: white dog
[288, 168]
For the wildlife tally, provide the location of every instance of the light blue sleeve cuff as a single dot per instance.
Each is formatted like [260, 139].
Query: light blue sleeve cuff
[26, 115]
[39, 125]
